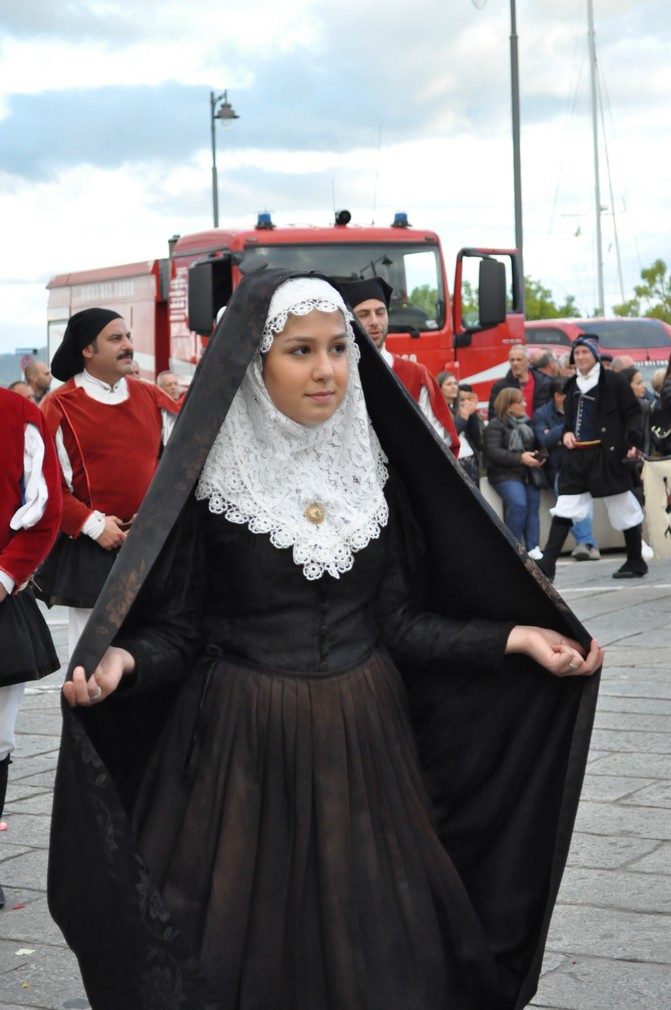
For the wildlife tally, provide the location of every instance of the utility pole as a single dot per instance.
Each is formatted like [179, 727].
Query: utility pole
[595, 144]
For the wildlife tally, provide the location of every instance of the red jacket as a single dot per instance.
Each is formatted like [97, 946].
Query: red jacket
[113, 449]
[414, 376]
[22, 551]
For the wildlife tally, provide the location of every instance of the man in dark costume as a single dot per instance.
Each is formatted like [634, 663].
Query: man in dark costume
[502, 744]
[603, 436]
[370, 300]
[109, 430]
[30, 510]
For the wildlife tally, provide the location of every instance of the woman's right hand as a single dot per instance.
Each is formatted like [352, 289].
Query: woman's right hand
[529, 459]
[103, 681]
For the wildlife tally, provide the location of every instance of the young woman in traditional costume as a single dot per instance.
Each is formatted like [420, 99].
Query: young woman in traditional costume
[326, 780]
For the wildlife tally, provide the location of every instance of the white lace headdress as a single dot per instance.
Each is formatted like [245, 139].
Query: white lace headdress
[315, 488]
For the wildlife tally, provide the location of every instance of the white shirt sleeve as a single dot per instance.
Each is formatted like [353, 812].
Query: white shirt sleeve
[63, 458]
[426, 408]
[35, 491]
[167, 424]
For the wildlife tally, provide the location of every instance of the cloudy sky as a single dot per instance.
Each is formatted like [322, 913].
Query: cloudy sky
[105, 120]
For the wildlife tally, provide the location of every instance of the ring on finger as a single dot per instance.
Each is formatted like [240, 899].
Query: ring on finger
[97, 696]
[571, 666]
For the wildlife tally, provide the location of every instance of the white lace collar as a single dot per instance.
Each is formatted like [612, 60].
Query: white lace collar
[317, 489]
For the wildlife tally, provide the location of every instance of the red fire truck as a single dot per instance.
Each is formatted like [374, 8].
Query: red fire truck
[171, 305]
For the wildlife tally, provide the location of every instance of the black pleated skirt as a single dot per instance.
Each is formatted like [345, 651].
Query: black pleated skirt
[74, 572]
[294, 845]
[26, 648]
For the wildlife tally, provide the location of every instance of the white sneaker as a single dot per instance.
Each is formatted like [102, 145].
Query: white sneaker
[646, 551]
[536, 554]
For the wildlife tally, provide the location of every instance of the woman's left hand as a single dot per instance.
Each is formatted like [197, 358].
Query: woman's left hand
[561, 656]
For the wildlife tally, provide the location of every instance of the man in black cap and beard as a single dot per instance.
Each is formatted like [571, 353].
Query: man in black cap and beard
[603, 434]
[109, 431]
[370, 302]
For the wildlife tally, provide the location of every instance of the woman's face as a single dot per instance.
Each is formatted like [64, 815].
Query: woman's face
[450, 388]
[516, 408]
[638, 385]
[305, 371]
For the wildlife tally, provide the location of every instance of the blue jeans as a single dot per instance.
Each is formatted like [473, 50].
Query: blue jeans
[521, 503]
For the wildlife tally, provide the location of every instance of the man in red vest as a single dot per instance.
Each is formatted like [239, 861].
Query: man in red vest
[370, 302]
[30, 511]
[109, 431]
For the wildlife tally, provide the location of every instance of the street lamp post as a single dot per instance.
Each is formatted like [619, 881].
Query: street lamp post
[226, 114]
[517, 167]
[517, 161]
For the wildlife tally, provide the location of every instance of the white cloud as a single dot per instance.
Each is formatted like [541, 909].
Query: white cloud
[315, 88]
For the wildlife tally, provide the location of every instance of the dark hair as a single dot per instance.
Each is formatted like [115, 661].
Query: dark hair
[465, 387]
[629, 373]
[557, 384]
[668, 370]
[440, 378]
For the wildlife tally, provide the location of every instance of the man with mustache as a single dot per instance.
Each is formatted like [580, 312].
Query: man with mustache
[109, 431]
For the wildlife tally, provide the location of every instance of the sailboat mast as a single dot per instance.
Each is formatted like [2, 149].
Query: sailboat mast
[595, 142]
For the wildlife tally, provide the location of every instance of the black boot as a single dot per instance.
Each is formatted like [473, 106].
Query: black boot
[4, 769]
[634, 567]
[559, 530]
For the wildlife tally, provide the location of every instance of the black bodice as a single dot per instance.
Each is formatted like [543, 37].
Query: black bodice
[220, 586]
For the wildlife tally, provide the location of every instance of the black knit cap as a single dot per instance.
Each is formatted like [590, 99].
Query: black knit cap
[588, 340]
[82, 330]
[356, 292]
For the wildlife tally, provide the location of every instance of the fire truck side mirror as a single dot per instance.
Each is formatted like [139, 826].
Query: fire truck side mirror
[209, 289]
[201, 297]
[492, 293]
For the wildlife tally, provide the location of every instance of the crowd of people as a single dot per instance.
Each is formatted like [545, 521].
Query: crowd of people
[73, 474]
[580, 426]
[294, 762]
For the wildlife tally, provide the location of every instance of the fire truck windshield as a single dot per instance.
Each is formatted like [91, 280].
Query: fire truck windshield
[414, 272]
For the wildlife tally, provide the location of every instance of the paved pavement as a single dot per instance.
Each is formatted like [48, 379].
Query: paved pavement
[610, 941]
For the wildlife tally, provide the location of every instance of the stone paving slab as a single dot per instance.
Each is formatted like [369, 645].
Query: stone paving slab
[20, 924]
[35, 744]
[633, 742]
[658, 794]
[24, 870]
[29, 799]
[39, 780]
[624, 889]
[32, 829]
[44, 979]
[611, 819]
[656, 861]
[618, 934]
[656, 766]
[653, 721]
[598, 984]
[606, 788]
[601, 852]
[613, 703]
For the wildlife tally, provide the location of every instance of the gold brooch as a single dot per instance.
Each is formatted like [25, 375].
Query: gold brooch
[315, 514]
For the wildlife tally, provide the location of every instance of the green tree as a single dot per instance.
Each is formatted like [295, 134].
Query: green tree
[425, 298]
[652, 298]
[539, 304]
